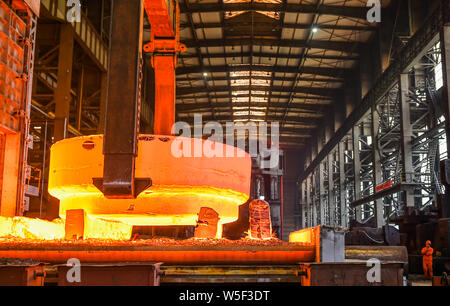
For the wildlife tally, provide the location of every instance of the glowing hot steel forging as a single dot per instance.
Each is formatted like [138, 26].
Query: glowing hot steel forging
[37, 229]
[181, 185]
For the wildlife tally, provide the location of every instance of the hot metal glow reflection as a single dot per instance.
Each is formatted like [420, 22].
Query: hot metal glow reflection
[181, 185]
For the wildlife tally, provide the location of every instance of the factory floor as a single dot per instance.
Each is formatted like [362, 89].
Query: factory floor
[418, 280]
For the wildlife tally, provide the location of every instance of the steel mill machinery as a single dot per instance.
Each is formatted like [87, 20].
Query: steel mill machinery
[107, 184]
[136, 179]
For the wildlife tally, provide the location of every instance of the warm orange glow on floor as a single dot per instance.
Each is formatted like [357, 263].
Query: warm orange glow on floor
[181, 185]
[28, 228]
[304, 235]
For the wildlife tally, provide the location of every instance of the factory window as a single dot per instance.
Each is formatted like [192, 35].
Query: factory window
[240, 92]
[442, 141]
[257, 113]
[437, 59]
[259, 82]
[240, 82]
[438, 76]
[240, 73]
[258, 108]
[241, 113]
[240, 99]
[259, 92]
[259, 99]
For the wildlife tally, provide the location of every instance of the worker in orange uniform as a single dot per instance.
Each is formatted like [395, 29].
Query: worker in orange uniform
[427, 253]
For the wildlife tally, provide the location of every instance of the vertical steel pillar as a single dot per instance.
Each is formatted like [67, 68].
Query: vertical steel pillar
[377, 174]
[406, 135]
[103, 93]
[342, 198]
[80, 93]
[321, 189]
[63, 88]
[320, 178]
[308, 202]
[331, 202]
[314, 183]
[445, 50]
[316, 198]
[356, 132]
[304, 205]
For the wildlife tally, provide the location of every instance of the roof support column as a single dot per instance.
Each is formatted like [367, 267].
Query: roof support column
[406, 135]
[445, 50]
[80, 96]
[331, 202]
[303, 205]
[62, 93]
[320, 178]
[342, 198]
[103, 90]
[308, 202]
[377, 174]
[321, 195]
[356, 132]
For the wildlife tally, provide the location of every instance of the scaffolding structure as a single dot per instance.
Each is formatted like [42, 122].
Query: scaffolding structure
[383, 163]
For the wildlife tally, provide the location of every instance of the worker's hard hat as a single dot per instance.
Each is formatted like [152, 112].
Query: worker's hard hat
[428, 242]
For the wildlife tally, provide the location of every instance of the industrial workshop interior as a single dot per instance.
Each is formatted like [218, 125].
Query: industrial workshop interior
[206, 143]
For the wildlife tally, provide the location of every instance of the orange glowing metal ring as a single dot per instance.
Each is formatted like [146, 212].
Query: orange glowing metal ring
[181, 185]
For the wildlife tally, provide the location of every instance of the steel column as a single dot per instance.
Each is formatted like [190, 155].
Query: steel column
[103, 93]
[80, 93]
[445, 50]
[406, 136]
[304, 205]
[308, 202]
[342, 198]
[322, 216]
[377, 174]
[357, 169]
[331, 202]
[62, 93]
[315, 199]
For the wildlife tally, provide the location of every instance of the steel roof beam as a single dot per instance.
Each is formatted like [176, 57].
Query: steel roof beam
[325, 92]
[344, 46]
[269, 55]
[286, 79]
[271, 118]
[317, 100]
[324, 71]
[345, 11]
[193, 107]
[228, 25]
